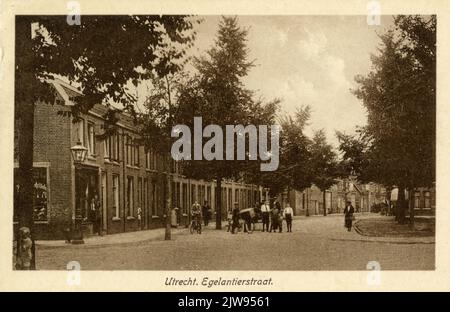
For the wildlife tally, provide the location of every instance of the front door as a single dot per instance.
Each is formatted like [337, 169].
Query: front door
[86, 187]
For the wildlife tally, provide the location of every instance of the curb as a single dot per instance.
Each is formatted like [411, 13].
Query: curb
[107, 244]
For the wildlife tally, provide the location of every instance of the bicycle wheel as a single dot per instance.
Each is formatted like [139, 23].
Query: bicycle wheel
[192, 228]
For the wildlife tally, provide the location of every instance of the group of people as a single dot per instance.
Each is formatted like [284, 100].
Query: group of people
[272, 219]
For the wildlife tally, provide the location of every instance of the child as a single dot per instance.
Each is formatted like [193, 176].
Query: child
[25, 255]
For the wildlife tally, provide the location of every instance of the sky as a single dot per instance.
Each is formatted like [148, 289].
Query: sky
[307, 60]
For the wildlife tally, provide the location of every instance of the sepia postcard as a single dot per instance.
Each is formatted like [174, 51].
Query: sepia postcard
[224, 145]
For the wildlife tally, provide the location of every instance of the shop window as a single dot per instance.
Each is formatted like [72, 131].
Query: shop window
[41, 192]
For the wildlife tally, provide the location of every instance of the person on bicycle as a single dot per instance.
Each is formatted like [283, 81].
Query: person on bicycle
[196, 213]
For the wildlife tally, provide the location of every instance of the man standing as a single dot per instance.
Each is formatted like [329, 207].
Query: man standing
[348, 213]
[265, 210]
[206, 211]
[95, 215]
[287, 214]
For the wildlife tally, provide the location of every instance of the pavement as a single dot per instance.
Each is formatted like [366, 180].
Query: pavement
[316, 243]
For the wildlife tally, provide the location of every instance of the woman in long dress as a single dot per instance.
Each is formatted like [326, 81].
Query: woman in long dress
[348, 213]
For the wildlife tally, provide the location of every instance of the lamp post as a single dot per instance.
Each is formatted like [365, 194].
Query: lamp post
[78, 155]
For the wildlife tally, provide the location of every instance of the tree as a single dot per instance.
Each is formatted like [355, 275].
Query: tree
[100, 56]
[323, 164]
[217, 94]
[399, 94]
[156, 122]
[293, 170]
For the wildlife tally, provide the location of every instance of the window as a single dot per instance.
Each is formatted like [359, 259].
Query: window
[208, 195]
[115, 187]
[129, 150]
[154, 200]
[150, 159]
[154, 160]
[140, 193]
[117, 147]
[193, 194]
[427, 200]
[178, 192]
[130, 195]
[41, 192]
[417, 200]
[91, 139]
[145, 200]
[136, 154]
[80, 131]
[113, 147]
[106, 143]
[174, 194]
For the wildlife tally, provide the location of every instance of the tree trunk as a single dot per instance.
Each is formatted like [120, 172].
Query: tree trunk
[219, 204]
[25, 110]
[26, 193]
[400, 211]
[324, 194]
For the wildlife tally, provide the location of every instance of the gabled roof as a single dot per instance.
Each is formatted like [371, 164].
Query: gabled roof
[65, 91]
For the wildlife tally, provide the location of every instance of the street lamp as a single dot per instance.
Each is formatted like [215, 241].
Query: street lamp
[78, 155]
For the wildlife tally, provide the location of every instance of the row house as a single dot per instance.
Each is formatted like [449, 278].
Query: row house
[311, 200]
[423, 200]
[129, 182]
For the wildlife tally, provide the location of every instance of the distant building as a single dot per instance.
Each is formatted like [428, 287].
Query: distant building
[424, 200]
[310, 201]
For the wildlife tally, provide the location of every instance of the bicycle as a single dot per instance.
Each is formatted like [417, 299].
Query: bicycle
[196, 226]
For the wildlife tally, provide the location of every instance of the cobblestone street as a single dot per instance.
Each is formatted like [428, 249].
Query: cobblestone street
[316, 243]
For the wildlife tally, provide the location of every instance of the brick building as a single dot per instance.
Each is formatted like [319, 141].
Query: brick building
[126, 179]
